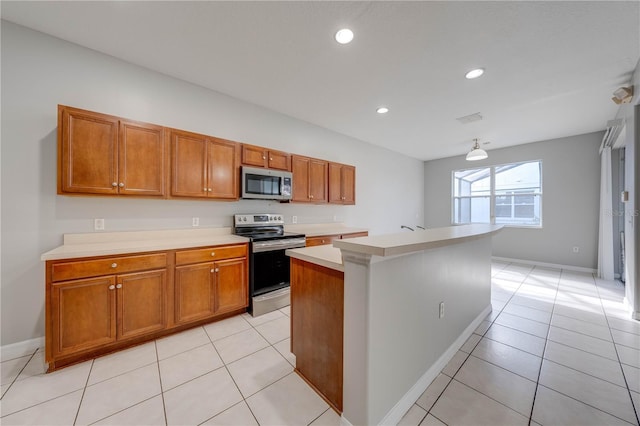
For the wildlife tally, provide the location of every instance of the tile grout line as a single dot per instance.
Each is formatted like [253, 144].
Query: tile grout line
[84, 390]
[232, 379]
[15, 379]
[584, 403]
[544, 349]
[615, 348]
[164, 406]
[493, 399]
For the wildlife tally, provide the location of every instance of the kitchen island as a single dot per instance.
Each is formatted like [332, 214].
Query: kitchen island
[410, 300]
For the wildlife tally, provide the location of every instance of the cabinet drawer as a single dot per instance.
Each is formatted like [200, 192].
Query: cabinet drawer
[321, 240]
[107, 266]
[185, 257]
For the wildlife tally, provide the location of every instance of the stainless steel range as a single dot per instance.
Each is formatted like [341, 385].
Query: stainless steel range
[268, 263]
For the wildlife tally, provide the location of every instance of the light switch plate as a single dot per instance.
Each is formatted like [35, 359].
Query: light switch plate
[98, 224]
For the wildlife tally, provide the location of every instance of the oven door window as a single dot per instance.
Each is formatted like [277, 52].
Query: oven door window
[271, 271]
[262, 185]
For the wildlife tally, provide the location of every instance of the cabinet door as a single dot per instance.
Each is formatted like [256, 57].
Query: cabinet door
[335, 183]
[254, 156]
[141, 303]
[300, 170]
[83, 315]
[279, 160]
[194, 292]
[223, 169]
[231, 285]
[88, 152]
[348, 185]
[141, 159]
[189, 165]
[318, 171]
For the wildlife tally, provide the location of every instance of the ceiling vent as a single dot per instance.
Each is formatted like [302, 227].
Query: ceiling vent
[470, 118]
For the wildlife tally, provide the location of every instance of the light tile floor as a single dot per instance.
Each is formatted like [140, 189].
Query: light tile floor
[557, 349]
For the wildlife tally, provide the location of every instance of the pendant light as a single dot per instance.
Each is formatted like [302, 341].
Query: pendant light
[476, 153]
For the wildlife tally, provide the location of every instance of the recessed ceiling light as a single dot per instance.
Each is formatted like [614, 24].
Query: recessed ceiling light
[382, 110]
[344, 36]
[474, 73]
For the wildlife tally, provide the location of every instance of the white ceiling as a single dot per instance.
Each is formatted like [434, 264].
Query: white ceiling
[551, 66]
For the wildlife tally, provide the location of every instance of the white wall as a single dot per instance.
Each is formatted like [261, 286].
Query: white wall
[39, 72]
[570, 200]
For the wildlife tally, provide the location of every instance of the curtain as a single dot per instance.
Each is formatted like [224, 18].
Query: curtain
[605, 234]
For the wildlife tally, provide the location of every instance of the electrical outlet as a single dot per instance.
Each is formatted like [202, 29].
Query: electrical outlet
[441, 310]
[294, 219]
[335, 218]
[195, 221]
[98, 224]
[576, 249]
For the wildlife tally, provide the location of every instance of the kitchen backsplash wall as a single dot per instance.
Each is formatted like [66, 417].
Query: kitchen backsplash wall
[39, 72]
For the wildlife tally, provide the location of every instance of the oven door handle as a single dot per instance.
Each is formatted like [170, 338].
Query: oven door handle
[262, 246]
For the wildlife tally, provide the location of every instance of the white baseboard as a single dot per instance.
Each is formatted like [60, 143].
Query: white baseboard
[16, 350]
[546, 265]
[398, 411]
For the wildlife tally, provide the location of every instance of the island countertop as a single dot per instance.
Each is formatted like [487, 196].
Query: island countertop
[407, 242]
[326, 255]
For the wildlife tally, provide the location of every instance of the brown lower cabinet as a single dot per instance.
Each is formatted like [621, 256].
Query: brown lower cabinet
[102, 304]
[204, 290]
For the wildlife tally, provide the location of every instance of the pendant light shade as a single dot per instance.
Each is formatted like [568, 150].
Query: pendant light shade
[476, 153]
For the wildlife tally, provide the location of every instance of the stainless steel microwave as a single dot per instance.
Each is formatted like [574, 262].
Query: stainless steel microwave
[266, 184]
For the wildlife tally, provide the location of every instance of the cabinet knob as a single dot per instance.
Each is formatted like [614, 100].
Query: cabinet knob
[213, 253]
[209, 189]
[322, 241]
[112, 287]
[114, 184]
[121, 185]
[205, 189]
[114, 265]
[264, 158]
[119, 286]
[212, 270]
[217, 270]
[311, 196]
[270, 158]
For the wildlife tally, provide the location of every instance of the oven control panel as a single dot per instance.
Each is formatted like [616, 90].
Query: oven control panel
[258, 219]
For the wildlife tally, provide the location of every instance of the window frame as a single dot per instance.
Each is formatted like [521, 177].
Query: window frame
[492, 195]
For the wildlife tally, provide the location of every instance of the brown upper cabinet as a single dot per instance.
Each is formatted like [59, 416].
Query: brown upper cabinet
[342, 184]
[102, 154]
[309, 179]
[203, 167]
[257, 156]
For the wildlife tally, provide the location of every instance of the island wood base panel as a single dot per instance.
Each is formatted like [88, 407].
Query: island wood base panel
[317, 318]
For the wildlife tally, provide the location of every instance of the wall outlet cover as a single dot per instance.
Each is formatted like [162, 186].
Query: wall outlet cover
[98, 224]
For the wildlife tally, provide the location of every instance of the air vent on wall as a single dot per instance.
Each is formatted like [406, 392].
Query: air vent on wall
[470, 118]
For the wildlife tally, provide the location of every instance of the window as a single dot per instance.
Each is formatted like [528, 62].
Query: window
[509, 194]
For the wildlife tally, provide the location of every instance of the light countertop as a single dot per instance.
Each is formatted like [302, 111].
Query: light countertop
[327, 256]
[318, 229]
[407, 242]
[114, 243]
